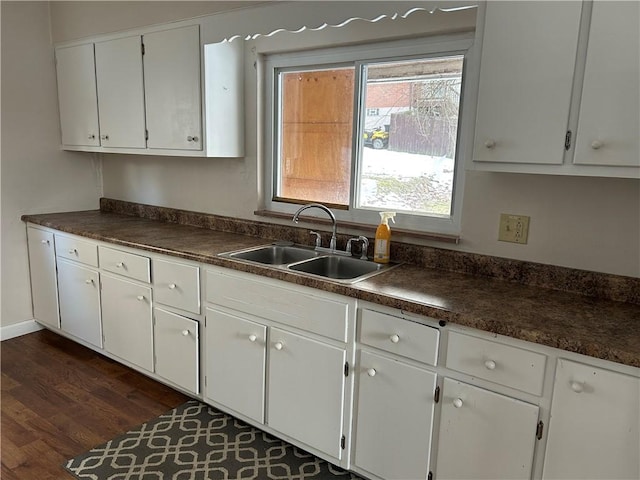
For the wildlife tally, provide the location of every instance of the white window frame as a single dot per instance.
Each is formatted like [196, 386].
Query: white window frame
[456, 44]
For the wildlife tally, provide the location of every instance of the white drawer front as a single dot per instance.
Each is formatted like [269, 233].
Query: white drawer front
[177, 285]
[126, 264]
[502, 364]
[300, 310]
[399, 336]
[78, 250]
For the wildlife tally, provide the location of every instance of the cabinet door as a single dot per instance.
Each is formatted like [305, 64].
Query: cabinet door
[526, 79]
[306, 390]
[176, 345]
[394, 418]
[42, 268]
[79, 294]
[609, 121]
[77, 98]
[484, 435]
[121, 92]
[127, 322]
[235, 350]
[594, 431]
[172, 88]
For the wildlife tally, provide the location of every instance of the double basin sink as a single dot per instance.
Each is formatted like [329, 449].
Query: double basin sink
[318, 263]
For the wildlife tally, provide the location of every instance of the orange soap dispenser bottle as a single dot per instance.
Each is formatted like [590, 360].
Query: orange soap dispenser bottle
[383, 238]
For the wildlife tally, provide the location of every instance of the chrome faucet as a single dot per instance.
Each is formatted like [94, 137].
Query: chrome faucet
[332, 244]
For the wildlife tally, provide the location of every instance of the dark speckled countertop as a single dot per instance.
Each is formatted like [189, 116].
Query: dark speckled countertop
[591, 326]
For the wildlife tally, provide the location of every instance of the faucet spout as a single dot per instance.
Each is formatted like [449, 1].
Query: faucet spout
[332, 244]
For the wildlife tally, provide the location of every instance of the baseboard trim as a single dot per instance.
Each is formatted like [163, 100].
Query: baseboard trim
[18, 329]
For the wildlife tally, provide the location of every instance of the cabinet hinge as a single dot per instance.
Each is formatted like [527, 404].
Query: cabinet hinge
[539, 430]
[343, 442]
[430, 476]
[346, 369]
[142, 48]
[146, 134]
[567, 140]
[436, 395]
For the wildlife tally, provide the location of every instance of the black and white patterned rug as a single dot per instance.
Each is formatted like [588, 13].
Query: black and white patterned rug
[198, 442]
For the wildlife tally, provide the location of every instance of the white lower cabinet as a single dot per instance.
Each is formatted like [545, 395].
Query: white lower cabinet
[44, 286]
[484, 435]
[127, 322]
[285, 357]
[236, 362]
[394, 418]
[176, 342]
[79, 296]
[306, 390]
[594, 431]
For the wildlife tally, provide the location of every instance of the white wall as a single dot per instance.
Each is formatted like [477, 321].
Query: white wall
[36, 176]
[586, 223]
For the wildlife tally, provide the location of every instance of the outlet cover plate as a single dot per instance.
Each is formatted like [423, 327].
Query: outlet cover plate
[513, 228]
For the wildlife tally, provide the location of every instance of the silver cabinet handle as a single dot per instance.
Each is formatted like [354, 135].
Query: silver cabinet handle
[192, 139]
[91, 136]
[104, 137]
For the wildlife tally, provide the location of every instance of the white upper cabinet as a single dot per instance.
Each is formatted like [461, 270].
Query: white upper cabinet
[141, 93]
[526, 77]
[120, 79]
[77, 95]
[172, 88]
[559, 88]
[609, 122]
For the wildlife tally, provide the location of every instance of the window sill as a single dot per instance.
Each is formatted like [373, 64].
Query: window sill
[437, 237]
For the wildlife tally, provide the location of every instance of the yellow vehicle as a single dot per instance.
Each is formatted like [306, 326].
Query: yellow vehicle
[378, 138]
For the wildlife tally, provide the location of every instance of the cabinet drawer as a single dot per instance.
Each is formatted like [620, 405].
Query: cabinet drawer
[509, 366]
[298, 309]
[399, 336]
[177, 285]
[126, 264]
[78, 250]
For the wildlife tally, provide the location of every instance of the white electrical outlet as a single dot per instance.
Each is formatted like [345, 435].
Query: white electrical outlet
[513, 228]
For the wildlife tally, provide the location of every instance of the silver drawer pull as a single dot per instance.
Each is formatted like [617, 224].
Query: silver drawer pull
[394, 338]
[172, 286]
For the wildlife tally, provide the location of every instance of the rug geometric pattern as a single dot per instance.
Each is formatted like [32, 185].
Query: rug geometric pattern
[198, 442]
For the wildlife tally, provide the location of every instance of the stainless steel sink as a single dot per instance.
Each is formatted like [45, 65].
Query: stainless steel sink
[336, 267]
[319, 262]
[274, 254]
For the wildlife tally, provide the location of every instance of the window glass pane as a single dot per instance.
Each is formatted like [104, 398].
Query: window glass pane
[410, 130]
[316, 132]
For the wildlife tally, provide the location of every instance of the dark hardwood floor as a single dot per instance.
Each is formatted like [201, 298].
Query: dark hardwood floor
[60, 399]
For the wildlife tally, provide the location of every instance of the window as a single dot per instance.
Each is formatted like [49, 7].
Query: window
[369, 129]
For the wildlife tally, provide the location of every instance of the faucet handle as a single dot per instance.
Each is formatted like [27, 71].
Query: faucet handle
[318, 238]
[348, 249]
[365, 246]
